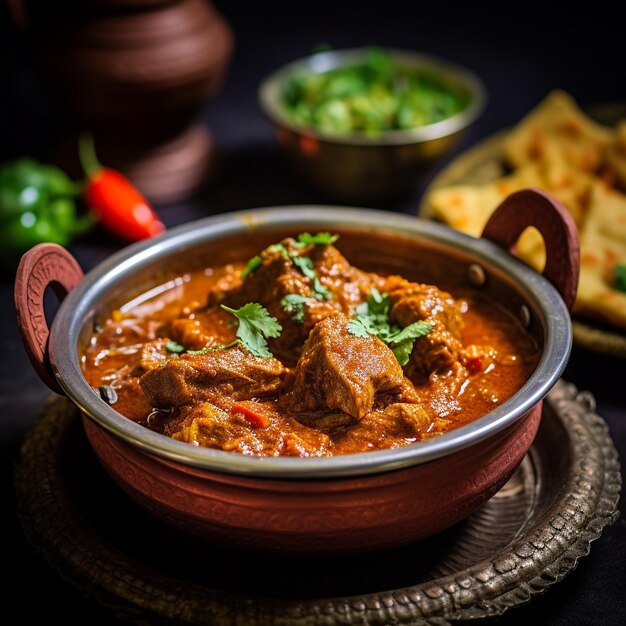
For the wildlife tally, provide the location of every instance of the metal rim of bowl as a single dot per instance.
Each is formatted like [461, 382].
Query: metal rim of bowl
[83, 299]
[269, 97]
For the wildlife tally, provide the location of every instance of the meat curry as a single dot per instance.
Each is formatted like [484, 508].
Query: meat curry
[299, 353]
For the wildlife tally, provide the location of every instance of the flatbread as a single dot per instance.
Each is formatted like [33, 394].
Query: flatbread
[602, 247]
[557, 148]
[558, 130]
[468, 207]
[616, 154]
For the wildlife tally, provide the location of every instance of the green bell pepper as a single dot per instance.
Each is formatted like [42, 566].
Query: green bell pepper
[37, 204]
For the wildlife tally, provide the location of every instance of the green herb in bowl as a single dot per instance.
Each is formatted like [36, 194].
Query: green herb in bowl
[362, 125]
[372, 96]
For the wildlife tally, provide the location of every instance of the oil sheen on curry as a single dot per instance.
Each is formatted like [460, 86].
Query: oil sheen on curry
[299, 353]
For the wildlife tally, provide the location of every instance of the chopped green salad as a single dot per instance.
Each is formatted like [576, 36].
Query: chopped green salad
[370, 97]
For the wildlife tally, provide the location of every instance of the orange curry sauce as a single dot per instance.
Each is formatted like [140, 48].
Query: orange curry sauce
[325, 391]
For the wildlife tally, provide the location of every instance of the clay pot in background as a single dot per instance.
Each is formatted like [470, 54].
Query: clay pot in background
[134, 73]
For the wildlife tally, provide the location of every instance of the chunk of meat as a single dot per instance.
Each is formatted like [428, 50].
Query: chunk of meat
[412, 302]
[338, 370]
[349, 285]
[402, 423]
[204, 424]
[278, 276]
[407, 394]
[443, 390]
[152, 354]
[295, 445]
[410, 420]
[268, 285]
[200, 328]
[188, 331]
[220, 376]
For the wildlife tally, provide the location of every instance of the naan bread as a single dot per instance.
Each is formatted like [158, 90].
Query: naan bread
[558, 130]
[602, 247]
[557, 148]
[616, 154]
[468, 207]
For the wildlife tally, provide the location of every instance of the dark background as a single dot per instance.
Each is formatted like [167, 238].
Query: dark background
[520, 50]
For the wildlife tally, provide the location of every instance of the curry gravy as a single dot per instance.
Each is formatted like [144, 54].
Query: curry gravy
[272, 408]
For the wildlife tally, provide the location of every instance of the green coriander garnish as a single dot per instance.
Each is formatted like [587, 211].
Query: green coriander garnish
[279, 247]
[303, 239]
[294, 303]
[619, 277]
[319, 239]
[401, 341]
[305, 265]
[373, 319]
[174, 347]
[255, 325]
[251, 265]
[370, 96]
[205, 350]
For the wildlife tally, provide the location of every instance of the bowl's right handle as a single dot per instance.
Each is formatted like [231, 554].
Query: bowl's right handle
[45, 265]
[533, 207]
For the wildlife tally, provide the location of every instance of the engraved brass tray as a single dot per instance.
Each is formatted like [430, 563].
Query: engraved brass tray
[526, 538]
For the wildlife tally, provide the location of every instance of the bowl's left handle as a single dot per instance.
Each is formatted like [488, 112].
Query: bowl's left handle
[45, 265]
[534, 207]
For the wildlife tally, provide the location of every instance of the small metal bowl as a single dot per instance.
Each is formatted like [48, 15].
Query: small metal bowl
[367, 501]
[358, 168]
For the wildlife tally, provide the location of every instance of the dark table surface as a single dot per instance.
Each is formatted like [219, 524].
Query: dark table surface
[521, 51]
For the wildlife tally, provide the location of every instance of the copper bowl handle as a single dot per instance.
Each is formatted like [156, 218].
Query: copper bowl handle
[533, 207]
[45, 265]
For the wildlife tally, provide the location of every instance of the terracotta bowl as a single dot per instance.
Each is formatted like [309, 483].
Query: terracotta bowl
[347, 503]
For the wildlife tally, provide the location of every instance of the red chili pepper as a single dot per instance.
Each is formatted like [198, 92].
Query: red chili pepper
[255, 417]
[116, 202]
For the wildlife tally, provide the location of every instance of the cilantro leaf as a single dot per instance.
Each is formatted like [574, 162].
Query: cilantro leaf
[372, 318]
[279, 247]
[204, 350]
[294, 303]
[320, 239]
[255, 325]
[375, 309]
[403, 351]
[254, 263]
[305, 265]
[412, 331]
[401, 341]
[619, 277]
[357, 327]
[174, 347]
